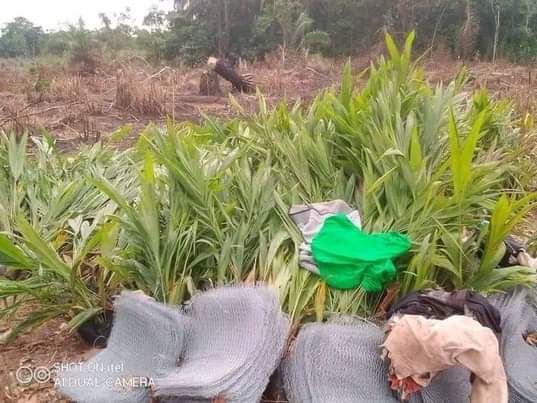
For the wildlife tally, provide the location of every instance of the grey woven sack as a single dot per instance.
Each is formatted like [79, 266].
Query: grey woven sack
[450, 386]
[519, 317]
[337, 362]
[146, 341]
[236, 341]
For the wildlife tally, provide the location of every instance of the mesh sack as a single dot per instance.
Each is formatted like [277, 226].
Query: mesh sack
[337, 362]
[519, 317]
[236, 342]
[146, 341]
[340, 362]
[450, 386]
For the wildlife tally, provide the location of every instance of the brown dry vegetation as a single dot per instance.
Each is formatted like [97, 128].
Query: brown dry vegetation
[76, 107]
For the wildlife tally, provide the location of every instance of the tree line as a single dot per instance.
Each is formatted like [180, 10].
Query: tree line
[249, 29]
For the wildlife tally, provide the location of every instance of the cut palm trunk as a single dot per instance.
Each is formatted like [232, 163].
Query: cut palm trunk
[209, 85]
[242, 83]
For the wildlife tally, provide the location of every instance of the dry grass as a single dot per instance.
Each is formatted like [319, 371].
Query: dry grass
[21, 125]
[144, 97]
[75, 106]
[94, 108]
[15, 116]
[12, 76]
[67, 88]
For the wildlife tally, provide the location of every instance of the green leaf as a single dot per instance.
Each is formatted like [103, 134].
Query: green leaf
[17, 155]
[393, 51]
[12, 256]
[42, 250]
[82, 317]
[347, 86]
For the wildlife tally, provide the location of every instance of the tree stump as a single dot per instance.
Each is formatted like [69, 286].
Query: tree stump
[209, 84]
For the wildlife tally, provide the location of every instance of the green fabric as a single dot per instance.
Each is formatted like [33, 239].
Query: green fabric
[348, 257]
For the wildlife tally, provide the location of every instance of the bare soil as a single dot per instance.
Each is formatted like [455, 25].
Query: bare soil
[48, 346]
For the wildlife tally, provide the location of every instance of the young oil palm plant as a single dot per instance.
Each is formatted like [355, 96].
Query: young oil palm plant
[193, 205]
[432, 165]
[55, 234]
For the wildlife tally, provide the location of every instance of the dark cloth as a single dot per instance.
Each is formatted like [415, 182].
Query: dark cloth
[438, 304]
[512, 249]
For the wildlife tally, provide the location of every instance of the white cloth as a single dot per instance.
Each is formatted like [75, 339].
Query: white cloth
[525, 259]
[309, 218]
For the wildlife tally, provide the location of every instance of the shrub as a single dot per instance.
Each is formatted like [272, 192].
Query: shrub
[317, 41]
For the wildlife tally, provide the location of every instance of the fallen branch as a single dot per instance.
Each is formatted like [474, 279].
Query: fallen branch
[165, 68]
[198, 99]
[14, 116]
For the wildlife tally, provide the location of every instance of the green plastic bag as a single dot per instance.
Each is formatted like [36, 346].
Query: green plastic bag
[348, 258]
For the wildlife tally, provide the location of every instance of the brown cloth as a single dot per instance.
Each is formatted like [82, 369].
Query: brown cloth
[420, 348]
[439, 304]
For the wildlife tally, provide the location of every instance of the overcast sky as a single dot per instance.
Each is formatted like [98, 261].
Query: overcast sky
[51, 14]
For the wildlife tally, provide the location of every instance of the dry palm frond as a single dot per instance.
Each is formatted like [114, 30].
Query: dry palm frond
[531, 339]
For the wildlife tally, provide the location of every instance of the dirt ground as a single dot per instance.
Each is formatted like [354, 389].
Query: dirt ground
[47, 347]
[80, 109]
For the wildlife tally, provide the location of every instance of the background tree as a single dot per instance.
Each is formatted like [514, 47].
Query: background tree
[250, 28]
[21, 38]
